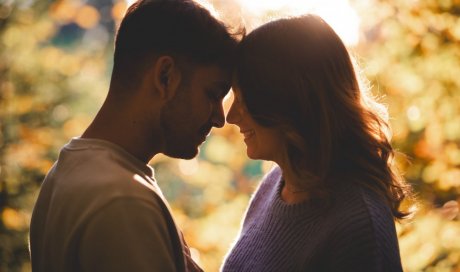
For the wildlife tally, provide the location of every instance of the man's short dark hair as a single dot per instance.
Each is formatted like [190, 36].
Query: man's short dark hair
[179, 28]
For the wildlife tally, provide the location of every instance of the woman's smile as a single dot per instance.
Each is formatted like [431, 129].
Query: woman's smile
[248, 134]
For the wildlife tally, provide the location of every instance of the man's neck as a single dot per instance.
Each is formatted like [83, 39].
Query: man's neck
[123, 131]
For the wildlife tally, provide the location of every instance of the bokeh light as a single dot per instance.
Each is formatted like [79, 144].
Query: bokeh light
[55, 64]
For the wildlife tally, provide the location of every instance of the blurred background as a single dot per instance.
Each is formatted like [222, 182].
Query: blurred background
[55, 63]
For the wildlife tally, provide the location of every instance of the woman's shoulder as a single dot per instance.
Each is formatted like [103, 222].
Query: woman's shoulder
[363, 225]
[270, 180]
[358, 210]
[357, 206]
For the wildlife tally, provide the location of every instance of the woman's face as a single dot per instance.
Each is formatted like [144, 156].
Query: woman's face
[262, 143]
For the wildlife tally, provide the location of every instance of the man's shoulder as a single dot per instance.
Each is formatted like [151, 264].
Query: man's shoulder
[97, 167]
[96, 177]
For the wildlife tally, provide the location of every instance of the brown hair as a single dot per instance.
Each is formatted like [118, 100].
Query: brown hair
[296, 75]
[180, 28]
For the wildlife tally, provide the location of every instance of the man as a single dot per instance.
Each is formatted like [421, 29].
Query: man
[100, 208]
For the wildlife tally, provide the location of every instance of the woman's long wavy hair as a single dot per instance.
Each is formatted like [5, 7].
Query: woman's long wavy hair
[296, 75]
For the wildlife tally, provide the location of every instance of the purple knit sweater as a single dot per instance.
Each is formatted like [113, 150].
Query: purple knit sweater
[355, 233]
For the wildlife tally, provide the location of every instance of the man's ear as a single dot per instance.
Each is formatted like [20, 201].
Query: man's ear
[166, 77]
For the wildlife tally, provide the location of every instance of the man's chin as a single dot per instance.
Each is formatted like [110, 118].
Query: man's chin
[183, 154]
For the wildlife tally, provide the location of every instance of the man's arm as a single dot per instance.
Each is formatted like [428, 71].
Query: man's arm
[127, 235]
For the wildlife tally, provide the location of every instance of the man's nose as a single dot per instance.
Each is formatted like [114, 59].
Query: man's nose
[218, 118]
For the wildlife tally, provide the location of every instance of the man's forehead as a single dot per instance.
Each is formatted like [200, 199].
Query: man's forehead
[213, 75]
[215, 70]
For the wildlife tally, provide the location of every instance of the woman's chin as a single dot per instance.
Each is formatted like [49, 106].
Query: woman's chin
[251, 154]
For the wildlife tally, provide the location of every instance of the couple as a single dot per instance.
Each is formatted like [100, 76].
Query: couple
[329, 205]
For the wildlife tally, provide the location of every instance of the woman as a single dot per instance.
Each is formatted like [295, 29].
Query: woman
[331, 202]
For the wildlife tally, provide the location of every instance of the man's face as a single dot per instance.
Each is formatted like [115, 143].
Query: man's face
[196, 107]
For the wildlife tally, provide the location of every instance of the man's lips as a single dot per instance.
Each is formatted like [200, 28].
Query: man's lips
[204, 133]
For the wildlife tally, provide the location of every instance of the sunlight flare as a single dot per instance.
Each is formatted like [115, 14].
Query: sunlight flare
[338, 13]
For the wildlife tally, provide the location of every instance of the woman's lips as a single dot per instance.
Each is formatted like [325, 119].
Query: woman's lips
[248, 133]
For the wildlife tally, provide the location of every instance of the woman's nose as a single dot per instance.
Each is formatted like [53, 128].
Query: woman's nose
[233, 115]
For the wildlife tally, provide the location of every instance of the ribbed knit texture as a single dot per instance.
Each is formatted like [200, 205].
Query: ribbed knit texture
[355, 233]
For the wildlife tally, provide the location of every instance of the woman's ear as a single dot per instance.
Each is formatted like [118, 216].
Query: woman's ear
[166, 77]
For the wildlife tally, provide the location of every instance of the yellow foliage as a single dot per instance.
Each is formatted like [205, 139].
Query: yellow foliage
[14, 219]
[87, 17]
[49, 93]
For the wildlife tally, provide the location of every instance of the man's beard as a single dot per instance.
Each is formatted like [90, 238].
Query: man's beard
[176, 145]
[180, 138]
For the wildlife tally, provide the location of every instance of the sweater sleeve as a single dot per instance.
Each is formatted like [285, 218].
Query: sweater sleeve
[353, 248]
[364, 239]
[127, 235]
